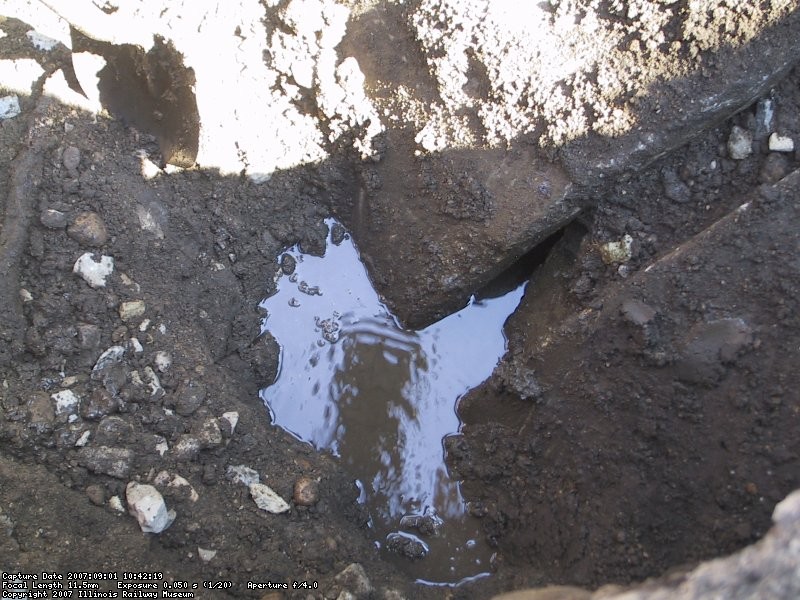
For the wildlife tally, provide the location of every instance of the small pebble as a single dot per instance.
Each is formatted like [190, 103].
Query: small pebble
[96, 494]
[131, 310]
[206, 555]
[774, 168]
[71, 159]
[740, 143]
[306, 491]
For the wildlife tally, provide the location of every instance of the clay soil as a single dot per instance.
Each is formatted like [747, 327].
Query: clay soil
[599, 455]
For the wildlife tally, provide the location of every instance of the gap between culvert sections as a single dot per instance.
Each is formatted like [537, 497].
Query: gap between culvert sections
[353, 382]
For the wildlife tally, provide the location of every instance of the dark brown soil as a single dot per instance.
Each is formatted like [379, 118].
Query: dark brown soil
[646, 415]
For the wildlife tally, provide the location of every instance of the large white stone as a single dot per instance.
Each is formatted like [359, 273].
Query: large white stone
[94, 272]
[267, 499]
[242, 474]
[780, 143]
[147, 505]
[66, 402]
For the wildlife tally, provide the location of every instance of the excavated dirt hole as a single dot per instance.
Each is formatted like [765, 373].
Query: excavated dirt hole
[353, 382]
[151, 90]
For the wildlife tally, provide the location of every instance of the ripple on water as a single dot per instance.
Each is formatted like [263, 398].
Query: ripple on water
[382, 399]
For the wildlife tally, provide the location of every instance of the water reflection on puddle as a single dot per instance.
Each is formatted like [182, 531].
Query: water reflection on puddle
[382, 399]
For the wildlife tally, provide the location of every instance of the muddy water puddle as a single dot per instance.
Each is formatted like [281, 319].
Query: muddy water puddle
[382, 399]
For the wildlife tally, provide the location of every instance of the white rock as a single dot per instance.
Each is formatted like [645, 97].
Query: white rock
[266, 499]
[9, 107]
[148, 222]
[232, 417]
[149, 169]
[84, 439]
[242, 474]
[136, 345]
[163, 361]
[116, 504]
[147, 505]
[131, 310]
[25, 295]
[740, 143]
[205, 555]
[162, 447]
[112, 355]
[144, 325]
[151, 379]
[779, 143]
[617, 252]
[66, 402]
[93, 272]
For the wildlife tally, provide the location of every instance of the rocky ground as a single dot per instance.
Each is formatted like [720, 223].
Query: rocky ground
[644, 417]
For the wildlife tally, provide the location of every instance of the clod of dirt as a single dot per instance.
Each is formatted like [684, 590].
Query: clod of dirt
[776, 166]
[710, 347]
[71, 159]
[406, 546]
[189, 398]
[354, 579]
[674, 188]
[637, 312]
[41, 412]
[425, 524]
[288, 264]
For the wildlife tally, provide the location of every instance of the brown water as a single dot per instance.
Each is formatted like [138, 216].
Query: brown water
[382, 399]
